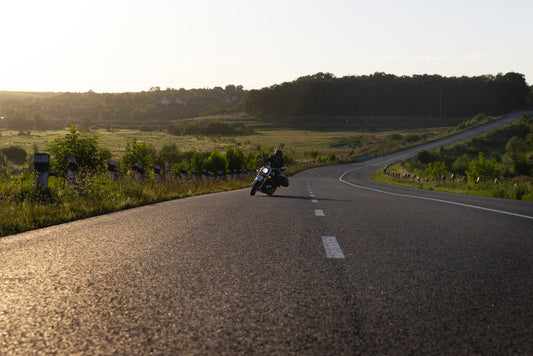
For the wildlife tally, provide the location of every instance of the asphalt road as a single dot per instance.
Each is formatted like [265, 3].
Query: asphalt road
[333, 264]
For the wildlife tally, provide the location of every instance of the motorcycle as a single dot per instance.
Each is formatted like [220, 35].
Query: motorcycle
[264, 182]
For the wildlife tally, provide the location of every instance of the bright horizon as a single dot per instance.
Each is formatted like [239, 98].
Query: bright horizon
[130, 46]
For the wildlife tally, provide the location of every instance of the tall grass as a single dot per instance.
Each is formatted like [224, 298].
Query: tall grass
[516, 188]
[25, 206]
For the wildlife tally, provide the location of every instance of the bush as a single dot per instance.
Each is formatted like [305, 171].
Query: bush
[235, 158]
[411, 138]
[460, 166]
[138, 153]
[485, 169]
[216, 162]
[15, 154]
[78, 144]
[169, 154]
[436, 169]
[424, 157]
[197, 161]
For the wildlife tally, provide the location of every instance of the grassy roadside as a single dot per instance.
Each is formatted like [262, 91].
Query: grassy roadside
[24, 206]
[518, 188]
[497, 164]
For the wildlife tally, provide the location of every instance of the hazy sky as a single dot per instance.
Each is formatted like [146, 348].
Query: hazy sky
[131, 45]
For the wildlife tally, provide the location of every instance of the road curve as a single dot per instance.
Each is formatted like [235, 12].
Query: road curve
[333, 264]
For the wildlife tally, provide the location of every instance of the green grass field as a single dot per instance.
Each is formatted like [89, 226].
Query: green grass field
[299, 144]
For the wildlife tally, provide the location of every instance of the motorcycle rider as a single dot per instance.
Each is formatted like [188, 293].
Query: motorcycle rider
[276, 161]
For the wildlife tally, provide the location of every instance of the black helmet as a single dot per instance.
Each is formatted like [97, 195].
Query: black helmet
[278, 152]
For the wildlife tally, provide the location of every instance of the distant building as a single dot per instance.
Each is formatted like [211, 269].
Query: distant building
[181, 101]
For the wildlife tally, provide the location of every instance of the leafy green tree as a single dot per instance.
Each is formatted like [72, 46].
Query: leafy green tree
[516, 148]
[436, 169]
[485, 169]
[216, 162]
[197, 161]
[235, 158]
[137, 152]
[460, 165]
[169, 154]
[83, 147]
[516, 154]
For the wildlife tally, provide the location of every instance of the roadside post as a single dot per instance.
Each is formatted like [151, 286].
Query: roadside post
[72, 169]
[157, 173]
[41, 167]
[112, 170]
[139, 172]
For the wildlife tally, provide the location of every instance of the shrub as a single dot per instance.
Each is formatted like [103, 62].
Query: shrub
[15, 154]
[411, 138]
[216, 162]
[485, 169]
[138, 153]
[169, 154]
[78, 144]
[235, 158]
[424, 157]
[197, 161]
[436, 169]
[460, 166]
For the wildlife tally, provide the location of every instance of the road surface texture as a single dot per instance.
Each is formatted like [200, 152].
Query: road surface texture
[333, 264]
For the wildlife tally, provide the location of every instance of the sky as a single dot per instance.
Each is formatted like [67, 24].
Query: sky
[132, 45]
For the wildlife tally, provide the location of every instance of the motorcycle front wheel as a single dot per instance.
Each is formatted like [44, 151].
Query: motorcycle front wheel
[254, 188]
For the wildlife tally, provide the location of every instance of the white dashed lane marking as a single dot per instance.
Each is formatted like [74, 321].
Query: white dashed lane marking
[333, 250]
[331, 246]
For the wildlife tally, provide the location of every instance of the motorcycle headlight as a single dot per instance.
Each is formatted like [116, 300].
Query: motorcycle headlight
[265, 170]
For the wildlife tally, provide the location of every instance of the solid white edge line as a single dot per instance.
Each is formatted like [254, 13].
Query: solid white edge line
[432, 199]
[332, 247]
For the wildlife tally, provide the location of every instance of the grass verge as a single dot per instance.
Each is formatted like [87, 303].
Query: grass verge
[517, 188]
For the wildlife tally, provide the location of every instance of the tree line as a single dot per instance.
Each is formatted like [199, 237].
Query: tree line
[383, 94]
[105, 110]
[321, 94]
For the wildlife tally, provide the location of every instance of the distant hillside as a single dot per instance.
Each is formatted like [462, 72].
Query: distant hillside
[26, 111]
